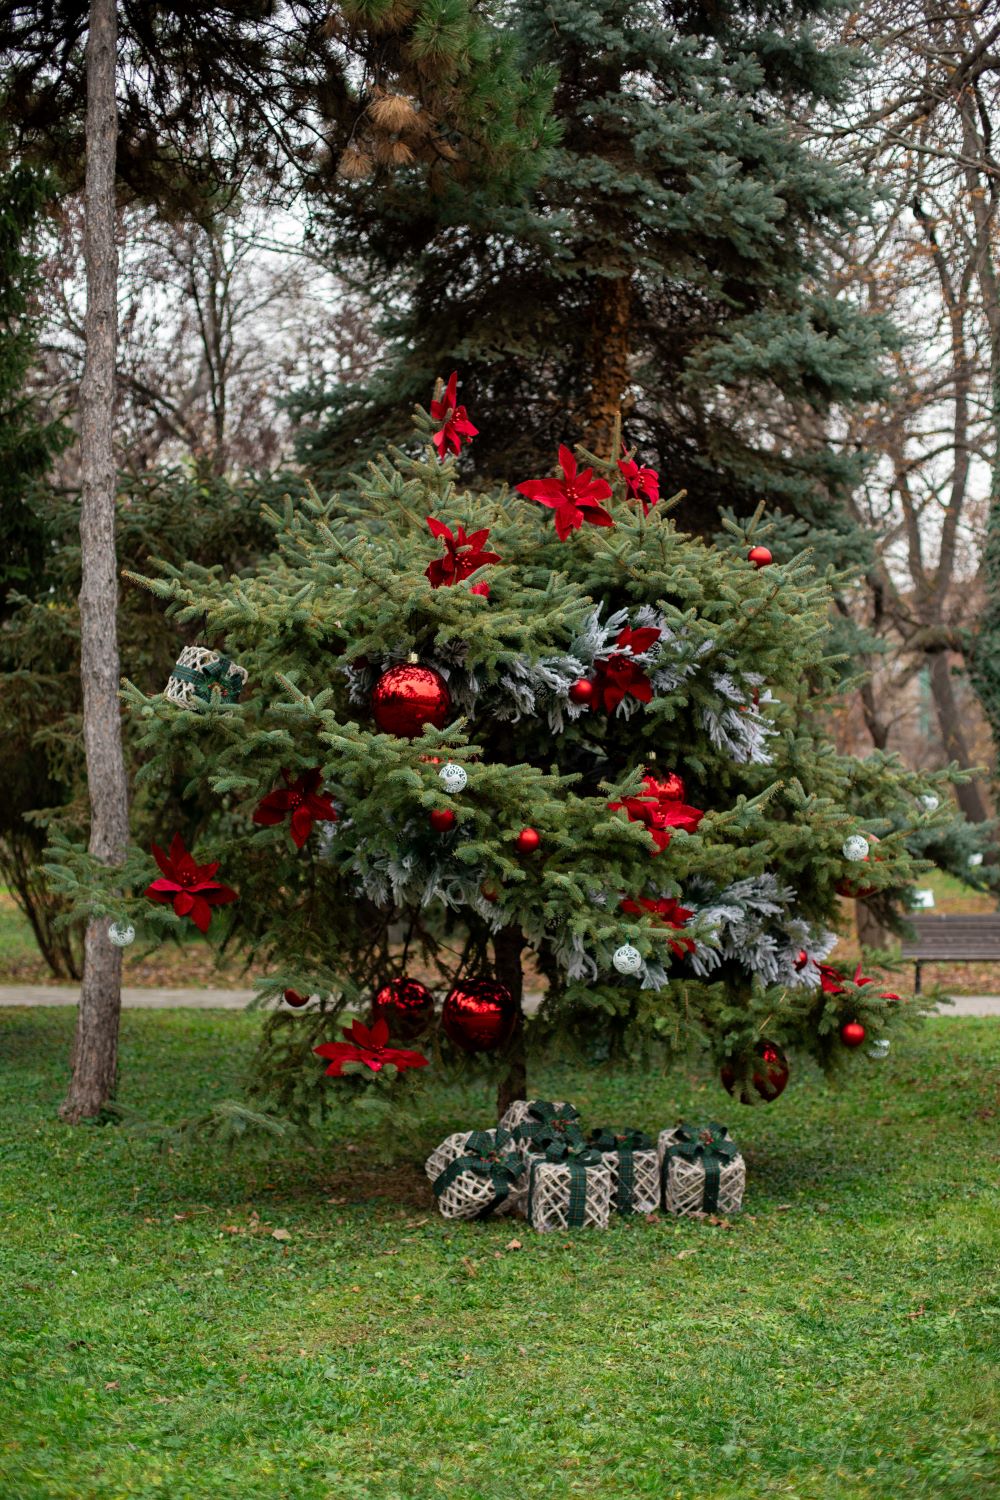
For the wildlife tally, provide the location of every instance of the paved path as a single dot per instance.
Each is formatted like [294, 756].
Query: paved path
[149, 999]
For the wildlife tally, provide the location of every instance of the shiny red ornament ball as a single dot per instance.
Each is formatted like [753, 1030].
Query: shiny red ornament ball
[852, 1033]
[489, 893]
[769, 1080]
[760, 556]
[409, 696]
[294, 999]
[528, 840]
[442, 819]
[406, 1006]
[479, 1015]
[582, 691]
[669, 788]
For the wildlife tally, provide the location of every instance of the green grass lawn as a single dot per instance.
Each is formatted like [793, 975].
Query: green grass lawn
[840, 1339]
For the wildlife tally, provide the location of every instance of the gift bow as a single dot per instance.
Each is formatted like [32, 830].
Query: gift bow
[625, 1143]
[211, 678]
[711, 1145]
[484, 1155]
[547, 1123]
[577, 1157]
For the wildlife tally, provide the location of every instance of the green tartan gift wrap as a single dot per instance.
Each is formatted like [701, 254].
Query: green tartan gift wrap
[631, 1158]
[205, 676]
[701, 1170]
[569, 1187]
[477, 1173]
[543, 1124]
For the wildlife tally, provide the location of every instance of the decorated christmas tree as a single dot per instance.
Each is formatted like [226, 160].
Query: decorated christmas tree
[506, 770]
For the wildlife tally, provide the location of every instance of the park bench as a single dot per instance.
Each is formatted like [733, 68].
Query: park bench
[953, 939]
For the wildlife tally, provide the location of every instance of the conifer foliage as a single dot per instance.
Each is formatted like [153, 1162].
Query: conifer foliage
[605, 775]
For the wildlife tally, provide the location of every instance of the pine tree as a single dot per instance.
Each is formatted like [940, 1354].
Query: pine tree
[550, 727]
[668, 261]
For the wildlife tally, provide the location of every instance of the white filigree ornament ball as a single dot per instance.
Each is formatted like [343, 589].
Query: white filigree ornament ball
[453, 778]
[856, 847]
[880, 1047]
[930, 802]
[121, 934]
[627, 960]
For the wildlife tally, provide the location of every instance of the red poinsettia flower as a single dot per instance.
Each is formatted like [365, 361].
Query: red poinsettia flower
[831, 980]
[860, 979]
[304, 798]
[189, 887]
[660, 811]
[619, 675]
[574, 497]
[483, 589]
[670, 911]
[367, 1044]
[642, 484]
[455, 425]
[462, 555]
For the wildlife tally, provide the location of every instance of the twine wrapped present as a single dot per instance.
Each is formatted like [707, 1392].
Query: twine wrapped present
[483, 1175]
[569, 1187]
[632, 1159]
[702, 1170]
[543, 1124]
[206, 675]
[521, 1108]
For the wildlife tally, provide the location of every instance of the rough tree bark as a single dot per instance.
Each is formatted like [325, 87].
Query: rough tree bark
[95, 1049]
[611, 312]
[508, 945]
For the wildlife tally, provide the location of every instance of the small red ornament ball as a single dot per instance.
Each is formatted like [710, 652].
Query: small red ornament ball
[528, 840]
[294, 999]
[442, 819]
[409, 696]
[852, 1033]
[582, 691]
[760, 556]
[406, 1006]
[769, 1079]
[479, 1015]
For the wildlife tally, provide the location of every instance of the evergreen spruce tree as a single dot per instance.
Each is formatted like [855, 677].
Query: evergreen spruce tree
[668, 259]
[534, 737]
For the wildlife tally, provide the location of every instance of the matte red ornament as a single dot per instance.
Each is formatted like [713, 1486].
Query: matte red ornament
[294, 999]
[528, 840]
[852, 1033]
[442, 820]
[582, 691]
[479, 1015]
[409, 696]
[406, 1005]
[769, 1079]
[760, 556]
[489, 893]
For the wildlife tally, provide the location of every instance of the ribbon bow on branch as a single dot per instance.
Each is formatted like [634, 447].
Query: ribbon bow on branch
[711, 1145]
[485, 1154]
[215, 679]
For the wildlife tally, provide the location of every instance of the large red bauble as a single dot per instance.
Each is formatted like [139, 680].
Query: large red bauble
[407, 1007]
[582, 691]
[769, 1079]
[760, 556]
[852, 1033]
[528, 840]
[670, 787]
[442, 819]
[407, 697]
[479, 1015]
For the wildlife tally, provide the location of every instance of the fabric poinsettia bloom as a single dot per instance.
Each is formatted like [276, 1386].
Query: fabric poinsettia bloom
[455, 425]
[831, 980]
[367, 1044]
[190, 888]
[619, 675]
[670, 911]
[861, 979]
[303, 799]
[462, 554]
[641, 484]
[662, 814]
[574, 498]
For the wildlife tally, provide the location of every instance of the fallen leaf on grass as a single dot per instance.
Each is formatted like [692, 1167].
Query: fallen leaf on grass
[513, 1245]
[919, 1312]
[469, 1265]
[682, 1253]
[782, 1208]
[652, 1218]
[111, 1385]
[281, 1234]
[230, 1229]
[415, 1223]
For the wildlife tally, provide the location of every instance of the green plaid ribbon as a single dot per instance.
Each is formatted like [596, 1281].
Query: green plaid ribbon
[710, 1144]
[485, 1154]
[212, 679]
[625, 1143]
[547, 1124]
[578, 1158]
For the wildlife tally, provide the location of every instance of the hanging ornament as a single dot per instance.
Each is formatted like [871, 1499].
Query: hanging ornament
[769, 1079]
[294, 999]
[528, 840]
[879, 1048]
[582, 692]
[489, 893]
[121, 934]
[852, 1034]
[453, 778]
[479, 1015]
[409, 696]
[442, 820]
[930, 802]
[406, 1005]
[856, 847]
[760, 556]
[627, 960]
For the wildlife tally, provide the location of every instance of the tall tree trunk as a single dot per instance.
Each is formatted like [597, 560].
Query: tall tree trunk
[611, 311]
[970, 798]
[508, 945]
[95, 1050]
